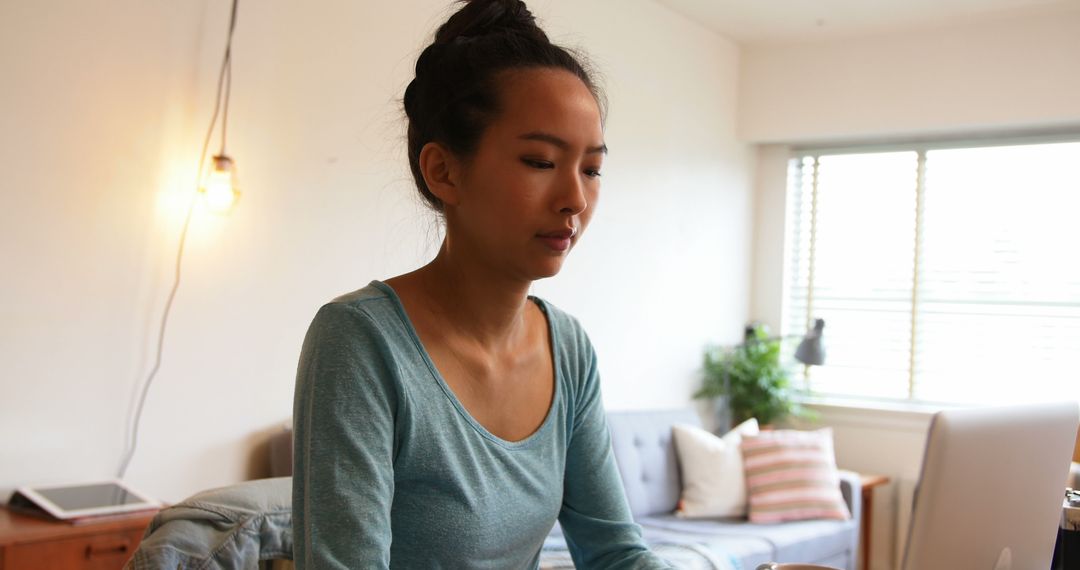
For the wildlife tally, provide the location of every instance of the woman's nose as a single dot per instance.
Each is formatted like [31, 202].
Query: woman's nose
[572, 199]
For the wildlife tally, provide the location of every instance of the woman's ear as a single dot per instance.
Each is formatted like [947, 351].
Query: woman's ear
[442, 172]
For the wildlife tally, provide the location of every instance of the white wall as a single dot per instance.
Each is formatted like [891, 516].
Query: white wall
[104, 112]
[94, 133]
[666, 265]
[1009, 77]
[988, 76]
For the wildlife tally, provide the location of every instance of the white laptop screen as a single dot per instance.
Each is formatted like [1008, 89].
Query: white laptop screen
[991, 488]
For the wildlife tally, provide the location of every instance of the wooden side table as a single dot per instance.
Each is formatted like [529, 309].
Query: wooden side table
[31, 543]
[868, 484]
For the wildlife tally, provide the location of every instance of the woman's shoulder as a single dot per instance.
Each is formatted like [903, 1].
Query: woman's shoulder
[364, 322]
[374, 291]
[371, 299]
[567, 330]
[371, 307]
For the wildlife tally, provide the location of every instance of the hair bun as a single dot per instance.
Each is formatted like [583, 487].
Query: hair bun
[485, 17]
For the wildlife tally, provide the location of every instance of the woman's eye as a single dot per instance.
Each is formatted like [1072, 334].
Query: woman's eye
[538, 163]
[592, 173]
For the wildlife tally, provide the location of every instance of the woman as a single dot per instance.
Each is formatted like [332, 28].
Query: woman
[445, 417]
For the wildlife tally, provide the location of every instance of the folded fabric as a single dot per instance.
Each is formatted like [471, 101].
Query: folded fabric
[713, 482]
[228, 528]
[791, 475]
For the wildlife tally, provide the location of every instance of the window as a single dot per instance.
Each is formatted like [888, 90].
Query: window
[945, 275]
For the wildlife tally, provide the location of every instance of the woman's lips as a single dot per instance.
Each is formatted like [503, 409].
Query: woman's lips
[558, 240]
[556, 243]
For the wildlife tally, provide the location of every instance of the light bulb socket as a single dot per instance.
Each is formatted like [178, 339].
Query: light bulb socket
[222, 163]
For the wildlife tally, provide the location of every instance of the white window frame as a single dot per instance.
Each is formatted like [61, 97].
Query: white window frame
[921, 148]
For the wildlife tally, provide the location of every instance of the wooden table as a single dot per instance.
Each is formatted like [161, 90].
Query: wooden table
[868, 484]
[32, 543]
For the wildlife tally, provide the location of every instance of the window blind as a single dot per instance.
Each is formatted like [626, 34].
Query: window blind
[945, 275]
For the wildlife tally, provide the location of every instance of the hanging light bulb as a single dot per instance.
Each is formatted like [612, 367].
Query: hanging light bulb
[220, 189]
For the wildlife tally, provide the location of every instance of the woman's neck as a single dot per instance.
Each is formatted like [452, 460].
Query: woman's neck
[487, 308]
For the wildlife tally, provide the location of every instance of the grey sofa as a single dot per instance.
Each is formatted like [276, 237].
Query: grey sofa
[645, 453]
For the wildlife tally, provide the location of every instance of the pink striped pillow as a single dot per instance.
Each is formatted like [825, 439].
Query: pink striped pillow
[791, 475]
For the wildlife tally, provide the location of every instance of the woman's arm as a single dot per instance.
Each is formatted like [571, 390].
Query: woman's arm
[343, 477]
[595, 515]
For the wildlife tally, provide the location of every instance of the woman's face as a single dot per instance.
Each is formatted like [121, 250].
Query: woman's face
[529, 191]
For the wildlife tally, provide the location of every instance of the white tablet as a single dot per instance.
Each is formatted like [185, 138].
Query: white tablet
[83, 500]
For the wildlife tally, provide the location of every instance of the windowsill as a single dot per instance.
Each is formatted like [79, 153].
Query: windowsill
[918, 408]
[914, 417]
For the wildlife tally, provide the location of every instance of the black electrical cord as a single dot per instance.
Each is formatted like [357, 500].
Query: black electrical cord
[226, 72]
[226, 69]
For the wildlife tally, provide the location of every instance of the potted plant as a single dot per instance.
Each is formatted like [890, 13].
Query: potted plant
[752, 379]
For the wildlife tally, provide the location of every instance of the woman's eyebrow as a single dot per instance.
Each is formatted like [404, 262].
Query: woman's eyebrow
[552, 139]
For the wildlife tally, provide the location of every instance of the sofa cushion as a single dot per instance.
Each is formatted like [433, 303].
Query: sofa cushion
[748, 551]
[791, 475]
[713, 483]
[816, 542]
[646, 459]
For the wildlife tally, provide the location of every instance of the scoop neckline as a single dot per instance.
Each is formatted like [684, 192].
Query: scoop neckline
[399, 307]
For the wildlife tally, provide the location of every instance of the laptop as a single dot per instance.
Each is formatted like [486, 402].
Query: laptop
[991, 489]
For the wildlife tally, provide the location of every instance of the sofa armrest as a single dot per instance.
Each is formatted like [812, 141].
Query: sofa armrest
[851, 487]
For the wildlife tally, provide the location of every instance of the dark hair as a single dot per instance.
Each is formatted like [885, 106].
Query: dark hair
[454, 96]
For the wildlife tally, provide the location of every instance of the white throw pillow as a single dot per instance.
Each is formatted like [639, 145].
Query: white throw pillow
[713, 481]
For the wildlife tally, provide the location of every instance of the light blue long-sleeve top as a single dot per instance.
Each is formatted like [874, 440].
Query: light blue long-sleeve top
[391, 470]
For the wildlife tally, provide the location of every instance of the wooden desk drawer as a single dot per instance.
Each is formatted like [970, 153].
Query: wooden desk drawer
[104, 551]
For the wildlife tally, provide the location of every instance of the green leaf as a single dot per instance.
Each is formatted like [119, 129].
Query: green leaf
[759, 383]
